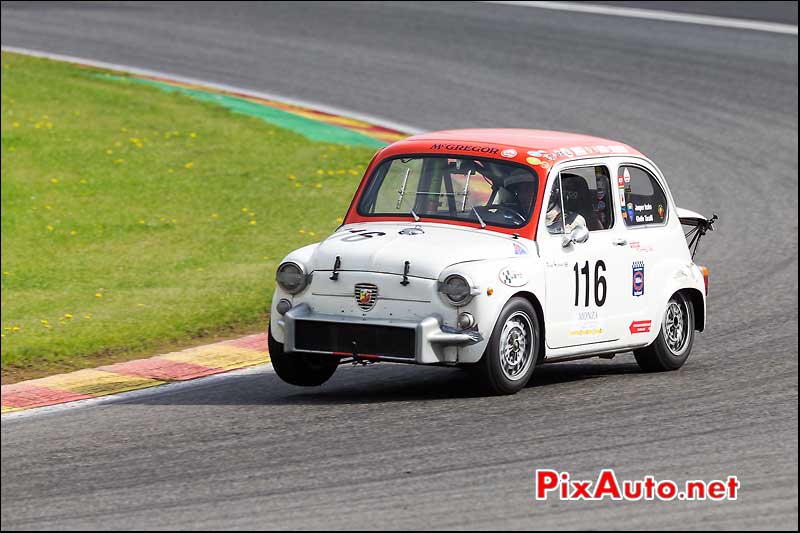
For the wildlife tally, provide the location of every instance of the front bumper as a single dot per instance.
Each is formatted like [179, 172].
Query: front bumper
[426, 341]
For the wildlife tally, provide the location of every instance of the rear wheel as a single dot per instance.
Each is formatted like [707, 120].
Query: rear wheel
[674, 342]
[300, 368]
[507, 365]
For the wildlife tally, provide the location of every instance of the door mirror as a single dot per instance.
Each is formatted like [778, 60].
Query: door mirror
[579, 235]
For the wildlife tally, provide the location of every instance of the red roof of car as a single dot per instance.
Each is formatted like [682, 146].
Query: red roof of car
[538, 148]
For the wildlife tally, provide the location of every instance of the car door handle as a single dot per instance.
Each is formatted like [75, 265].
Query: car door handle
[619, 242]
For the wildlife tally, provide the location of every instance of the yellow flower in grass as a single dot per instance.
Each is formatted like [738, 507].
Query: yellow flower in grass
[318, 185]
[245, 209]
[68, 316]
[50, 227]
[292, 177]
[98, 295]
[215, 216]
[302, 232]
[253, 222]
[190, 164]
[193, 135]
[87, 317]
[54, 181]
[109, 152]
[73, 232]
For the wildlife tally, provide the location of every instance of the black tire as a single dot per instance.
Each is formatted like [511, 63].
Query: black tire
[299, 368]
[494, 371]
[671, 348]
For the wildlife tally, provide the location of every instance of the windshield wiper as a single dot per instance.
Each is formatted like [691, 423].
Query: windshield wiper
[466, 192]
[402, 190]
[416, 217]
[482, 223]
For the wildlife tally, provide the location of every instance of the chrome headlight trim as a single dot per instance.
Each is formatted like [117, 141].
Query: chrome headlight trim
[304, 280]
[442, 286]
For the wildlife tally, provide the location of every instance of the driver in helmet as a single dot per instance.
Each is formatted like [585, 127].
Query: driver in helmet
[554, 217]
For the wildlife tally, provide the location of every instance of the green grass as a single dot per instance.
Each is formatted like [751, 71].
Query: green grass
[135, 219]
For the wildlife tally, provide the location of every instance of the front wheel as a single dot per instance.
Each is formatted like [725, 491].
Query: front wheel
[674, 342]
[299, 368]
[507, 365]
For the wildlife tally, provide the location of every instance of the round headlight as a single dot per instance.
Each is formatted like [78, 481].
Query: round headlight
[456, 289]
[291, 277]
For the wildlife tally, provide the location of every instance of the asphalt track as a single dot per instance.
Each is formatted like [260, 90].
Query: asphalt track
[405, 447]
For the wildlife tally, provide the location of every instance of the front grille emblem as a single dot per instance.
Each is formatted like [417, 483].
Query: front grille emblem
[366, 295]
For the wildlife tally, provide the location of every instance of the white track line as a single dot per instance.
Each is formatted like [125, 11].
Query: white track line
[378, 121]
[656, 14]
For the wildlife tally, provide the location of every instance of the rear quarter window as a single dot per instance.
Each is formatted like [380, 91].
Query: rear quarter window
[642, 199]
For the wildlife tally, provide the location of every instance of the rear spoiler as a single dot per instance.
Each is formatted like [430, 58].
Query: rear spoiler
[699, 226]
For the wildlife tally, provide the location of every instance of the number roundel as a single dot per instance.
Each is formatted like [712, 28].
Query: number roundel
[599, 283]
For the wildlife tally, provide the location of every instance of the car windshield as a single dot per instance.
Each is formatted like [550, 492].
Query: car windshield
[483, 191]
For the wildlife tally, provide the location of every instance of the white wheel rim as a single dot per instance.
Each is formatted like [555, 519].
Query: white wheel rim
[517, 340]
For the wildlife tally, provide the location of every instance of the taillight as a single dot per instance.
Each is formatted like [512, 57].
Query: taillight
[704, 270]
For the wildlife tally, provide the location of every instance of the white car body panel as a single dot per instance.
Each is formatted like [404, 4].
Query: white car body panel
[500, 266]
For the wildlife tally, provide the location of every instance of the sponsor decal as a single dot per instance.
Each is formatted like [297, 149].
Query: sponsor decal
[636, 245]
[545, 165]
[519, 249]
[589, 324]
[509, 152]
[512, 278]
[586, 332]
[533, 161]
[661, 211]
[536, 153]
[465, 148]
[640, 326]
[366, 295]
[631, 215]
[621, 182]
[638, 278]
[580, 150]
[626, 176]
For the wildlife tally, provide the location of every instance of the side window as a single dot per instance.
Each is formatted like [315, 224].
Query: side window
[641, 197]
[581, 197]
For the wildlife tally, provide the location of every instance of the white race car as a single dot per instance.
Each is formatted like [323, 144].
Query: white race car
[495, 251]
